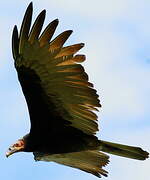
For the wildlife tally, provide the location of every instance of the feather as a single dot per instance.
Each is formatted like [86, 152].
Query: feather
[60, 40]
[37, 26]
[25, 27]
[48, 32]
[15, 43]
[88, 161]
[69, 60]
[69, 50]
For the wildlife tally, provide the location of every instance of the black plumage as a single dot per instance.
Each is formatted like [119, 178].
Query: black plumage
[60, 99]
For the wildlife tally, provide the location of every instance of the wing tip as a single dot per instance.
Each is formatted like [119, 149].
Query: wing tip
[69, 31]
[15, 29]
[82, 44]
[57, 20]
[30, 7]
[15, 42]
[43, 12]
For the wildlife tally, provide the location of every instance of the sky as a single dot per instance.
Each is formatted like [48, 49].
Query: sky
[117, 48]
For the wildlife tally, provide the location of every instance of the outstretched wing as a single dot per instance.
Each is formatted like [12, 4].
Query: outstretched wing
[54, 83]
[88, 161]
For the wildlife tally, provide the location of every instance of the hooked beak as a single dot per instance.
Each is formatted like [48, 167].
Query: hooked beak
[10, 152]
[17, 147]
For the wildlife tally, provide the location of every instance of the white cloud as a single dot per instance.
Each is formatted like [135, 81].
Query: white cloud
[105, 9]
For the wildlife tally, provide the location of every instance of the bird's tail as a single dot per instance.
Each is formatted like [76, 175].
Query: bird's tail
[123, 150]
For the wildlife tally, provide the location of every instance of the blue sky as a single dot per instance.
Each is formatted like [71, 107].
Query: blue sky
[117, 38]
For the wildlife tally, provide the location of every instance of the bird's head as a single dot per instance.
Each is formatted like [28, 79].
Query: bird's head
[17, 147]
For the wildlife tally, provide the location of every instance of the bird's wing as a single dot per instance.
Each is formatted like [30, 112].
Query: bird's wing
[52, 79]
[88, 161]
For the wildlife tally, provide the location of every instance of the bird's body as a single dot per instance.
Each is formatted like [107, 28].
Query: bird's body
[61, 101]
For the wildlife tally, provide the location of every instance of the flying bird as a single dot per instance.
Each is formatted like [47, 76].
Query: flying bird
[61, 101]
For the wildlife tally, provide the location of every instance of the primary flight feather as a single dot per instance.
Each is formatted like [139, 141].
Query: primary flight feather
[61, 100]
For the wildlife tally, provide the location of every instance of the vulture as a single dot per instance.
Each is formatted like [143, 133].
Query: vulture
[61, 101]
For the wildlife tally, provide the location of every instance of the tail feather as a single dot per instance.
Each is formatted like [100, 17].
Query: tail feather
[123, 150]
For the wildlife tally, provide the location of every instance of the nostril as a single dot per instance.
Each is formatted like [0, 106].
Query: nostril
[9, 149]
